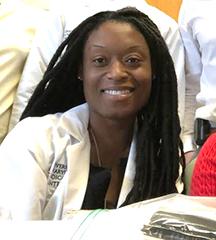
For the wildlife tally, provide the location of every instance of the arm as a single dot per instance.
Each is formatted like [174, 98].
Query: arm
[176, 48]
[199, 40]
[204, 175]
[47, 40]
[206, 39]
[23, 182]
[193, 71]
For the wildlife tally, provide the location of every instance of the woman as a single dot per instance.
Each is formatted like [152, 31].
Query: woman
[119, 147]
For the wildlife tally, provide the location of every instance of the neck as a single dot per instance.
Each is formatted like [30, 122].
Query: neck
[110, 141]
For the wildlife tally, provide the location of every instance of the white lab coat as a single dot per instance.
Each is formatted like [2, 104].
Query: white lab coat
[44, 166]
[66, 16]
[197, 26]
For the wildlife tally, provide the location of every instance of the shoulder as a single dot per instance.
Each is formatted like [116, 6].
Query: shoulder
[72, 123]
[196, 10]
[164, 22]
[45, 139]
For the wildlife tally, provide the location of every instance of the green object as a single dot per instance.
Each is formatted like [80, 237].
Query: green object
[188, 175]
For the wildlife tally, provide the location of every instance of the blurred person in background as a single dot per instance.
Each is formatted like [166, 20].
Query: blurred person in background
[18, 23]
[197, 26]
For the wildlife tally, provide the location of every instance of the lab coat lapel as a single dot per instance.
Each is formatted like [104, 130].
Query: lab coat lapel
[129, 175]
[77, 177]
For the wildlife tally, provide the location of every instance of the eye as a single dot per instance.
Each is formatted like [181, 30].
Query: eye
[99, 61]
[133, 61]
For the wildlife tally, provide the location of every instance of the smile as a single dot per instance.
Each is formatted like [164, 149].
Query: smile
[123, 91]
[117, 92]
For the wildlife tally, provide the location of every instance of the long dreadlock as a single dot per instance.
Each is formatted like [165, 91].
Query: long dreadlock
[158, 142]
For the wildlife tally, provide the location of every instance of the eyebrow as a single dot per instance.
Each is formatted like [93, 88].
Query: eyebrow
[99, 46]
[130, 48]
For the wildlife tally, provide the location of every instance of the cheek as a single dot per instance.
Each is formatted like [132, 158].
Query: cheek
[90, 87]
[145, 90]
[148, 86]
[143, 76]
[86, 88]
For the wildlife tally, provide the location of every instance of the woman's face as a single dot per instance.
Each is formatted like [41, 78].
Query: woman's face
[116, 71]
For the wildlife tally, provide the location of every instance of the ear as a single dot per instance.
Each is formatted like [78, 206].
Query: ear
[153, 76]
[80, 73]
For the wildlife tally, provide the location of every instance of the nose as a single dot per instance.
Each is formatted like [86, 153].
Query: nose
[117, 70]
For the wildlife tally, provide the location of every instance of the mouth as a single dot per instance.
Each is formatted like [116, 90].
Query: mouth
[118, 92]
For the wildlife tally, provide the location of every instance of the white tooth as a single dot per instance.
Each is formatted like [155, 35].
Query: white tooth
[117, 92]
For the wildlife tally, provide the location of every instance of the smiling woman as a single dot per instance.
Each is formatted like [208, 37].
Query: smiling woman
[116, 78]
[101, 139]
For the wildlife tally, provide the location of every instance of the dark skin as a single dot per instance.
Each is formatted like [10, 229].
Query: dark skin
[116, 75]
[112, 148]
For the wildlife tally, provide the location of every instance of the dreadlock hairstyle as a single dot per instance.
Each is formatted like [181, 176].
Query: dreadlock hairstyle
[159, 148]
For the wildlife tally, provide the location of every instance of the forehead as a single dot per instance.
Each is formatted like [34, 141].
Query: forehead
[115, 33]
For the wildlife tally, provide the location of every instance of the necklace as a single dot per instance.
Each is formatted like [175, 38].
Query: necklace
[96, 147]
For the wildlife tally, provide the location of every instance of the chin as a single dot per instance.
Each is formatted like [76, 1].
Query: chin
[119, 115]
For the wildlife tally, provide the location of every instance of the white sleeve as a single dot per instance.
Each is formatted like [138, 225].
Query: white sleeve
[47, 40]
[205, 34]
[199, 36]
[193, 72]
[23, 183]
[176, 49]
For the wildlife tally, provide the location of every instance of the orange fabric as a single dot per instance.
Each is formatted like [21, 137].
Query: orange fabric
[170, 7]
